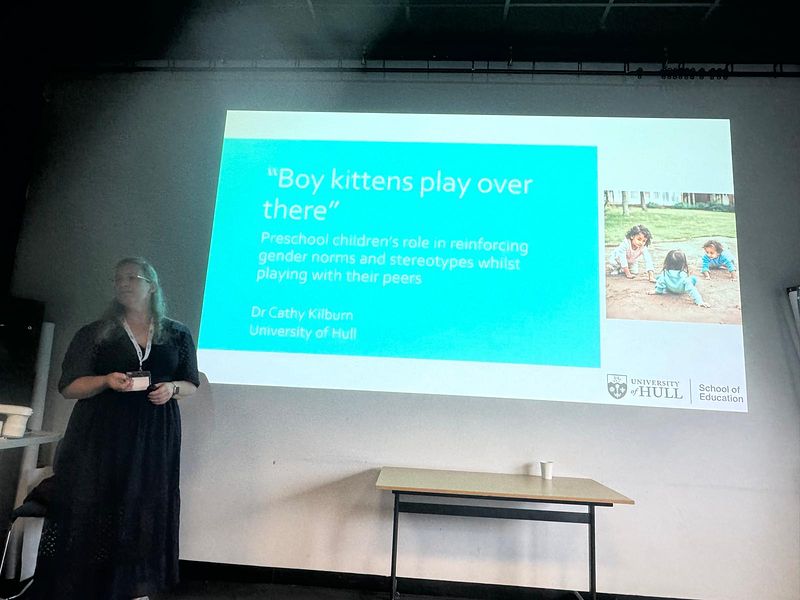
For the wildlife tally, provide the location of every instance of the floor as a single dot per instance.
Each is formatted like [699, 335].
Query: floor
[200, 590]
[222, 590]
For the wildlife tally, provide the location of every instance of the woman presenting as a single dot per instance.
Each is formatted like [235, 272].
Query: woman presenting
[112, 526]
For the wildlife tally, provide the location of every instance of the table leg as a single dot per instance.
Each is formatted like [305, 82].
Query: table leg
[592, 557]
[394, 545]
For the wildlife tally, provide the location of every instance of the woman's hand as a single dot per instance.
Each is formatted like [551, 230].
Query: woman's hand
[119, 382]
[162, 393]
[91, 385]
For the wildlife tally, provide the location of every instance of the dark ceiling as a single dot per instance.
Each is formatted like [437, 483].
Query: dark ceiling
[39, 37]
[721, 31]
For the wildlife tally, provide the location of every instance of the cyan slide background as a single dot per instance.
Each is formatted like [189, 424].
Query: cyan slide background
[546, 313]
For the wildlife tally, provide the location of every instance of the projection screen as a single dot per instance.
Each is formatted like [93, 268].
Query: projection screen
[552, 258]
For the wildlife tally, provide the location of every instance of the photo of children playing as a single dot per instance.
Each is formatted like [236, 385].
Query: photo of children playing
[671, 257]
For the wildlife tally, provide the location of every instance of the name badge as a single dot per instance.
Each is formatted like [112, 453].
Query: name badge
[141, 380]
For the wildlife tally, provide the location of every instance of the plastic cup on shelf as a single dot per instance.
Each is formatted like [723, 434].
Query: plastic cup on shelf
[16, 420]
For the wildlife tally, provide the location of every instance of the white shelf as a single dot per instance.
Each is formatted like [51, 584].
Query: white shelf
[31, 438]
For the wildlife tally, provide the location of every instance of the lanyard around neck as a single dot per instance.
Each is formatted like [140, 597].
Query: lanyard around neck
[142, 357]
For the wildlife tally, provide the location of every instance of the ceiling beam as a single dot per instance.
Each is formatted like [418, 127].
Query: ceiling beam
[711, 9]
[605, 14]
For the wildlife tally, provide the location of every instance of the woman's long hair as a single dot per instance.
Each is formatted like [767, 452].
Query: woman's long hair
[158, 309]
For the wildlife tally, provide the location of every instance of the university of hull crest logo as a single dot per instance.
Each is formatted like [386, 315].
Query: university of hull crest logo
[617, 386]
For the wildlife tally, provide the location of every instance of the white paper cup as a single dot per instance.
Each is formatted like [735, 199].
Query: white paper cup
[14, 426]
[16, 420]
[547, 469]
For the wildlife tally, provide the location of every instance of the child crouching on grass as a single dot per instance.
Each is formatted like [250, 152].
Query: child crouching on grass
[675, 278]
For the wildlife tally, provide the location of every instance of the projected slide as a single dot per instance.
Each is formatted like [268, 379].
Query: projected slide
[552, 258]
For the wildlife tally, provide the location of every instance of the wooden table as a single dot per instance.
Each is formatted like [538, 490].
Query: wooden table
[435, 484]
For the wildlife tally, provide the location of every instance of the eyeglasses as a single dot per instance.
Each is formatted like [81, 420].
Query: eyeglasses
[129, 279]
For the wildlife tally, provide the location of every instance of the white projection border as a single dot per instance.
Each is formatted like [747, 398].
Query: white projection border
[642, 362]
[633, 153]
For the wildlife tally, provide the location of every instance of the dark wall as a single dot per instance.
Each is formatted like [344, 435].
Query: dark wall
[21, 125]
